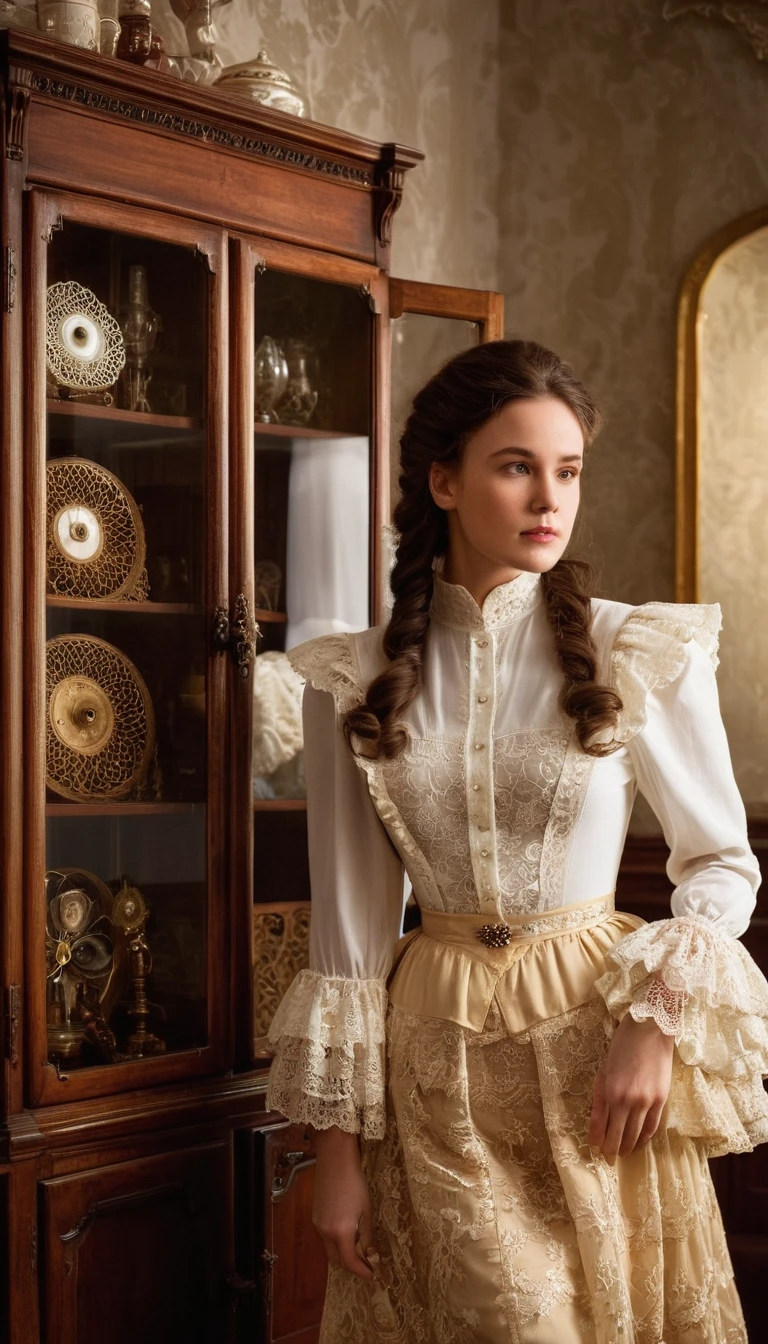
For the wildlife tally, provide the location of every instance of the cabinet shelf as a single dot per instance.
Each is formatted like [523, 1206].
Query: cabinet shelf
[265, 615]
[116, 415]
[145, 608]
[303, 432]
[279, 804]
[121, 809]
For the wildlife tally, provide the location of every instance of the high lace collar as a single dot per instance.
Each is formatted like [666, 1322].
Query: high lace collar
[454, 605]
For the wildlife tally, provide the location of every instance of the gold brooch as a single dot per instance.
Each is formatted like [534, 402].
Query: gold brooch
[495, 935]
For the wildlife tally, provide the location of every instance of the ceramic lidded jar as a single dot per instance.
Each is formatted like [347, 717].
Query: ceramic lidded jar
[261, 81]
[74, 21]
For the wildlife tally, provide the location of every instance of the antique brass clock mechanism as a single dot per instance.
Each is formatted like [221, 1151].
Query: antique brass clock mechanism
[98, 960]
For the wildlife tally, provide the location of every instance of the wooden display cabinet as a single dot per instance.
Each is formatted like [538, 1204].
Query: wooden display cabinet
[202, 355]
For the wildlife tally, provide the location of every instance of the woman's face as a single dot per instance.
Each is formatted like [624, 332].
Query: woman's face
[513, 498]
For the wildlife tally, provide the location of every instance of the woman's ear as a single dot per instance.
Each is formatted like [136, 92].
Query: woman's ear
[442, 485]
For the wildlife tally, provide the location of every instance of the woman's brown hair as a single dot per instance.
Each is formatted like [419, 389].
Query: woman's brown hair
[462, 396]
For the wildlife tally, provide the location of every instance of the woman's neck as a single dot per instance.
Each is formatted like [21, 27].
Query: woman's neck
[476, 573]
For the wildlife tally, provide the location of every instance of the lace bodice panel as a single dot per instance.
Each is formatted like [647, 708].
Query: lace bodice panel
[485, 799]
[427, 785]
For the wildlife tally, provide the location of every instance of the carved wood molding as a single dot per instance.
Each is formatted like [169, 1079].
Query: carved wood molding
[81, 95]
[18, 105]
[749, 17]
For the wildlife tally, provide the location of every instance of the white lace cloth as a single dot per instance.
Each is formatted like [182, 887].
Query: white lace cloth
[277, 729]
[331, 1039]
[493, 808]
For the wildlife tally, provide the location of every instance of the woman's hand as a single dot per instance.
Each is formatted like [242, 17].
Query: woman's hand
[631, 1088]
[342, 1210]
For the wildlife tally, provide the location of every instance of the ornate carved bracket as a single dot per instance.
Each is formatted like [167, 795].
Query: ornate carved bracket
[749, 17]
[389, 194]
[368, 298]
[208, 257]
[56, 225]
[18, 104]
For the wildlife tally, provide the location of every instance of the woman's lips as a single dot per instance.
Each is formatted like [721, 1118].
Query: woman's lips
[537, 535]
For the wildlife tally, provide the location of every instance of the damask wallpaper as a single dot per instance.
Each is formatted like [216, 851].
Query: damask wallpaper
[733, 493]
[422, 72]
[627, 141]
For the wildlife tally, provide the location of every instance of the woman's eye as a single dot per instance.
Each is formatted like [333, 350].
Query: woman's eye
[517, 468]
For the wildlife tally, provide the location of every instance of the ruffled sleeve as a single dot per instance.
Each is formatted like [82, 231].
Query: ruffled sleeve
[690, 973]
[328, 1033]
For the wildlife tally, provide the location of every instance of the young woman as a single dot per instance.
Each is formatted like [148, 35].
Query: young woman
[515, 1103]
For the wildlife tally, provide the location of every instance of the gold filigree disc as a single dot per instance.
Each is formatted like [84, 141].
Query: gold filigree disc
[81, 715]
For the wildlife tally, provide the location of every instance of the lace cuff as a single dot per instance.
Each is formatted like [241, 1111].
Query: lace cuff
[656, 1000]
[649, 653]
[719, 1018]
[328, 1036]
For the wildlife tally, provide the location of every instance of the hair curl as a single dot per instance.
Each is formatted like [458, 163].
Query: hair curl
[464, 394]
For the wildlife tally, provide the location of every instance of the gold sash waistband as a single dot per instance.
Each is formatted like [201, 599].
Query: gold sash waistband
[549, 964]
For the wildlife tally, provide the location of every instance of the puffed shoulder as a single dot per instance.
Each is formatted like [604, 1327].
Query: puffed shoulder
[342, 664]
[650, 650]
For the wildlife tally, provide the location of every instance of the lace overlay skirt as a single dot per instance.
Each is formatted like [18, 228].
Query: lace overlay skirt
[496, 1224]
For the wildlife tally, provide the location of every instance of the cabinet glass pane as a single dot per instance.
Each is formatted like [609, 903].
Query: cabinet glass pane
[312, 497]
[312, 479]
[127, 648]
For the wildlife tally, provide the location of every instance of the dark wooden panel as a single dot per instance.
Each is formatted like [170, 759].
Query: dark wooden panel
[68, 147]
[140, 1250]
[278, 1248]
[5, 1285]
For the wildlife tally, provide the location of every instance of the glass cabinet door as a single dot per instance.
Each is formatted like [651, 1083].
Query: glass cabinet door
[312, 553]
[127, 690]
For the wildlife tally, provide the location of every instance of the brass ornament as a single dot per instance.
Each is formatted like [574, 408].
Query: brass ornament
[100, 733]
[495, 935]
[95, 546]
[129, 909]
[97, 956]
[83, 343]
[81, 715]
[79, 953]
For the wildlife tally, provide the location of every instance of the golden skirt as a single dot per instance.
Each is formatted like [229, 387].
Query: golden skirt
[495, 1222]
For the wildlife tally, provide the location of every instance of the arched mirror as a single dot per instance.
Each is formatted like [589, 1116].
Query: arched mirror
[722, 478]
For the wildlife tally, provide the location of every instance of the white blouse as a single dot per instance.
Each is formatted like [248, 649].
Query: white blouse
[493, 807]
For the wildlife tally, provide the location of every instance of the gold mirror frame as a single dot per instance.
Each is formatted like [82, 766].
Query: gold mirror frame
[687, 456]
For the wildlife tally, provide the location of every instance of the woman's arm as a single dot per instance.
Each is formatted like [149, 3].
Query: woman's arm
[329, 1031]
[672, 980]
[631, 1088]
[342, 1210]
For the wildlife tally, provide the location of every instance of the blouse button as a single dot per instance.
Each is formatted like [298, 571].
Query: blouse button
[476, 787]
[484, 853]
[479, 746]
[482, 643]
[483, 828]
[482, 699]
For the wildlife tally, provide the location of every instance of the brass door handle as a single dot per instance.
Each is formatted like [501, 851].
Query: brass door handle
[238, 635]
[243, 632]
